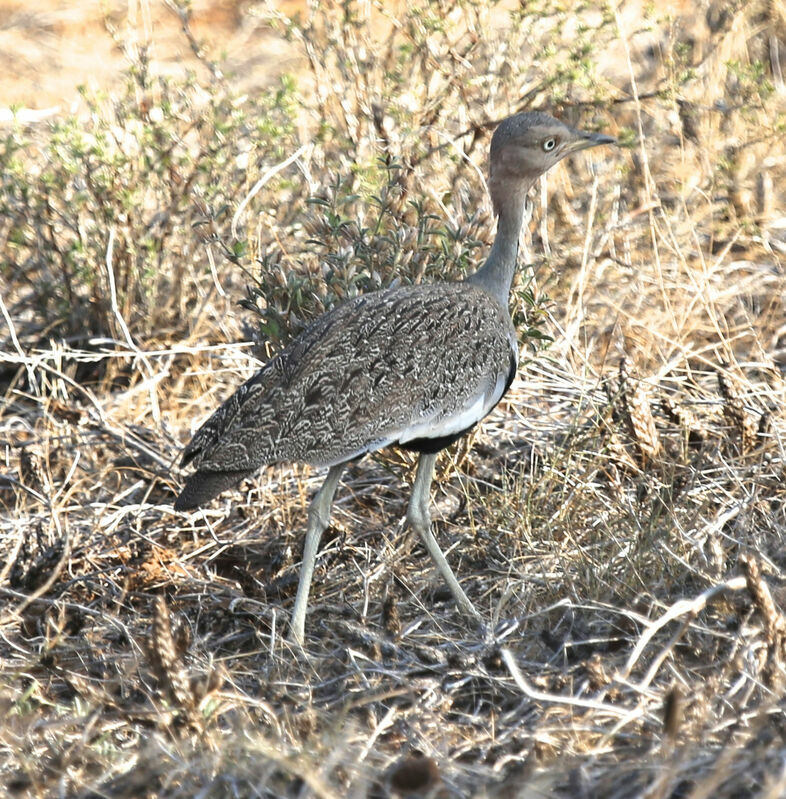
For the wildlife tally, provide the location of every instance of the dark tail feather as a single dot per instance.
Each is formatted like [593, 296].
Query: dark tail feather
[201, 487]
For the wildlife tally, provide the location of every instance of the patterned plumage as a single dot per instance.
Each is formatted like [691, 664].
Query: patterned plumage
[416, 366]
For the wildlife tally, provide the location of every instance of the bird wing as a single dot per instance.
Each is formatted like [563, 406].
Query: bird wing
[386, 367]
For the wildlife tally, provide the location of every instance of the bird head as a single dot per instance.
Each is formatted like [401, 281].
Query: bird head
[527, 145]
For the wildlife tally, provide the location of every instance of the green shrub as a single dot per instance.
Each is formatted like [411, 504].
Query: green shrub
[399, 124]
[144, 177]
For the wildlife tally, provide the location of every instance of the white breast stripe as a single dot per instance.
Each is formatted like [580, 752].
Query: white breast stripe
[473, 411]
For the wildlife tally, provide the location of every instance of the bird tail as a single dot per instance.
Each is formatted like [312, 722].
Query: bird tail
[202, 486]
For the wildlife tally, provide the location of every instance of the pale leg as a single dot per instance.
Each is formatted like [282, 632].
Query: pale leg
[318, 519]
[419, 517]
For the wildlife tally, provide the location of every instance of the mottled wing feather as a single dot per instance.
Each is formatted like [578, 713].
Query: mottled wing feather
[362, 376]
[202, 486]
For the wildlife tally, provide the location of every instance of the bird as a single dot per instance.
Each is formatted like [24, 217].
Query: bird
[414, 366]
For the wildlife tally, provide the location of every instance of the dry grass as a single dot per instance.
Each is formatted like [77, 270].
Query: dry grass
[619, 520]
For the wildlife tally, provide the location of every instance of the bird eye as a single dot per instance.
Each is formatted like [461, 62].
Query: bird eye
[549, 144]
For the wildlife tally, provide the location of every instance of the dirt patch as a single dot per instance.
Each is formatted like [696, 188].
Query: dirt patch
[49, 48]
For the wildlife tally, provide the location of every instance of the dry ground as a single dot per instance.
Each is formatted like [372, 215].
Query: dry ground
[49, 47]
[620, 519]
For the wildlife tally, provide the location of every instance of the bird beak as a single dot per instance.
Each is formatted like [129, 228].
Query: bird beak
[584, 140]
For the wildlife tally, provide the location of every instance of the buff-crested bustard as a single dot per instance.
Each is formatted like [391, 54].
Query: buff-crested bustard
[415, 367]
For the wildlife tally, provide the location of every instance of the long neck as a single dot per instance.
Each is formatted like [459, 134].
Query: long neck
[496, 274]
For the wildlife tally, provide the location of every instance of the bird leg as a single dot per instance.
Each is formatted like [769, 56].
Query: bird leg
[318, 520]
[419, 517]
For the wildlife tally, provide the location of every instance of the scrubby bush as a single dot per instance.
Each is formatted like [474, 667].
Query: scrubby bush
[106, 218]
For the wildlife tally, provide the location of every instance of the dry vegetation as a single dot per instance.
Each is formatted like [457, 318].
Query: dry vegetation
[619, 520]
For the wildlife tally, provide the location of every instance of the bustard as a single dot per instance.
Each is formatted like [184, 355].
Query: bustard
[417, 367]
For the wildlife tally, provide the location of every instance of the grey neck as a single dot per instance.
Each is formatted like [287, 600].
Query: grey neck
[496, 275]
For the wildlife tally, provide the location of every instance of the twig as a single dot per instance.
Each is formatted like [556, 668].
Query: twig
[680, 608]
[542, 696]
[272, 172]
[110, 275]
[110, 272]
[12, 330]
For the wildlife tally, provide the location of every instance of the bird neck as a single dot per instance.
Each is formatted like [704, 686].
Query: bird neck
[496, 274]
